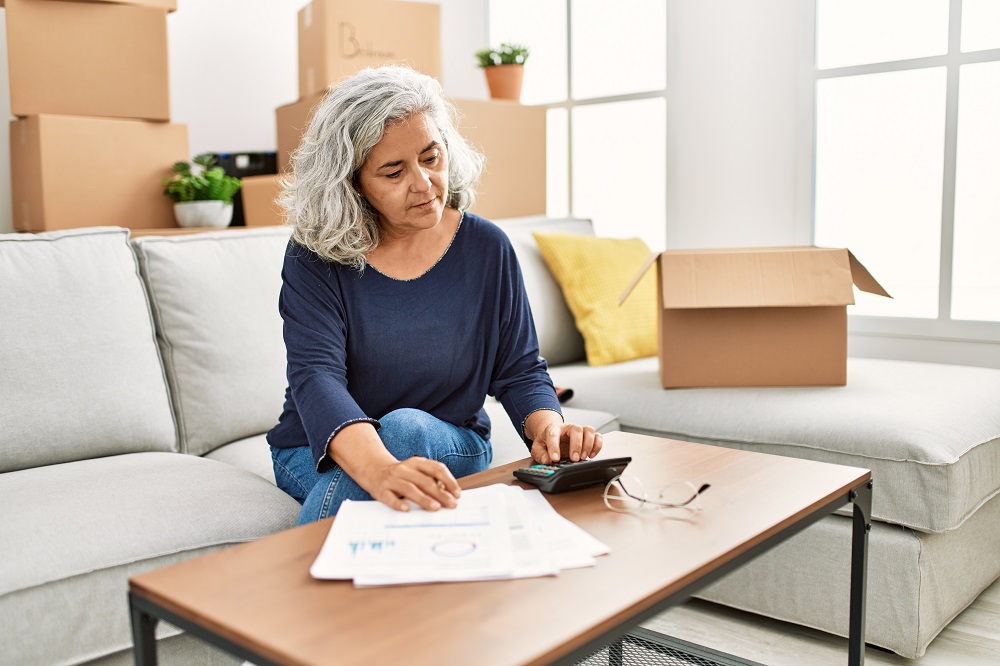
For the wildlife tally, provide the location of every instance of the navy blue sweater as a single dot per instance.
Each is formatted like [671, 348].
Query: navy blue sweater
[361, 344]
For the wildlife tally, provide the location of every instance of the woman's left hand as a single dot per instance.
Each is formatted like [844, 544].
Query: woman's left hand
[554, 440]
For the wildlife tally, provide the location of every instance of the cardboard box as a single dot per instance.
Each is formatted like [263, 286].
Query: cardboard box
[70, 171]
[512, 137]
[87, 59]
[259, 207]
[755, 317]
[339, 37]
[292, 121]
[169, 5]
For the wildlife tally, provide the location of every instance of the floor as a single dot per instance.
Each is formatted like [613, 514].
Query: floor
[972, 639]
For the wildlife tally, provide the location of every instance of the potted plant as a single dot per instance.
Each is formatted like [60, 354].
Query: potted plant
[504, 69]
[202, 192]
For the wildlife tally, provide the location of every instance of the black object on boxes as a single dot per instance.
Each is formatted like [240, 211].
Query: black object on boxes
[241, 165]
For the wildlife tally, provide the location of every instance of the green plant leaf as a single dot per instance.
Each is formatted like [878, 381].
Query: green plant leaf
[210, 183]
[506, 54]
[206, 160]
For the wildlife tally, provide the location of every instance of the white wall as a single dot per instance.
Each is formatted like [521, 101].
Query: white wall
[736, 89]
[232, 62]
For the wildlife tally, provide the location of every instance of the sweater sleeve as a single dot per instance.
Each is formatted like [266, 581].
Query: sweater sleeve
[520, 379]
[315, 332]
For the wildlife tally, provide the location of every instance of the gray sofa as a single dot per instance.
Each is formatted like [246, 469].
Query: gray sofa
[139, 378]
[930, 433]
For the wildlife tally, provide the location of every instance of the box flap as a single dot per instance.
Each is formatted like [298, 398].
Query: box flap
[863, 280]
[642, 271]
[758, 277]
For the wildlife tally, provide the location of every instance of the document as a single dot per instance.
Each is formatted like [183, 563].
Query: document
[371, 540]
[495, 532]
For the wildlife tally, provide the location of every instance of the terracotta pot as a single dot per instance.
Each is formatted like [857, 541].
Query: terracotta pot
[505, 81]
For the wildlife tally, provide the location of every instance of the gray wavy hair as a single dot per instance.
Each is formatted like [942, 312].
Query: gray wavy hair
[326, 213]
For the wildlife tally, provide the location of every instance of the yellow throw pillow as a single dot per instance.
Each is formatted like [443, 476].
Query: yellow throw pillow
[593, 273]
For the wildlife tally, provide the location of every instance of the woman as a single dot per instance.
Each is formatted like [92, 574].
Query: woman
[401, 312]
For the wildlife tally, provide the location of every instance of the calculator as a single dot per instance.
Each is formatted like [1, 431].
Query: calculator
[565, 475]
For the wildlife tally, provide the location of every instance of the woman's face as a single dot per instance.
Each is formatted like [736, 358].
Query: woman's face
[405, 178]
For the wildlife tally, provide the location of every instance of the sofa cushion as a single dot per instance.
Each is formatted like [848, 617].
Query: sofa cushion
[930, 433]
[593, 274]
[558, 337]
[77, 531]
[215, 300]
[917, 582]
[252, 454]
[81, 373]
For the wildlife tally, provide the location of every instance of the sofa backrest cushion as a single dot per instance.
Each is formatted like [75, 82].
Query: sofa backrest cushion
[81, 377]
[558, 338]
[215, 301]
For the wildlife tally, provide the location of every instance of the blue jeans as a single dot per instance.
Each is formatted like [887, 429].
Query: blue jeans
[405, 433]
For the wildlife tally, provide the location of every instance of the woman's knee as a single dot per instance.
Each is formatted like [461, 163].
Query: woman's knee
[410, 432]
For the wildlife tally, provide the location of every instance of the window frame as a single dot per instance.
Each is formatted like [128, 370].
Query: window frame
[943, 327]
[571, 102]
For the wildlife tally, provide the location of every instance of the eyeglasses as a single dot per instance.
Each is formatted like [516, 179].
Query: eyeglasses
[678, 495]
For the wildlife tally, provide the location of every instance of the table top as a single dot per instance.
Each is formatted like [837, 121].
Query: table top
[260, 594]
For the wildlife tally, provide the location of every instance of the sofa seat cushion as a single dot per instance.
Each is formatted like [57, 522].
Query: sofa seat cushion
[215, 300]
[251, 453]
[917, 582]
[506, 440]
[929, 432]
[75, 532]
[81, 374]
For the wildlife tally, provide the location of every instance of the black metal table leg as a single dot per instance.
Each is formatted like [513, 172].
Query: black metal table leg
[616, 653]
[861, 497]
[143, 635]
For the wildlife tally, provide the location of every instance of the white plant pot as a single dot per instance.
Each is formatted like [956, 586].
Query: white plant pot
[203, 214]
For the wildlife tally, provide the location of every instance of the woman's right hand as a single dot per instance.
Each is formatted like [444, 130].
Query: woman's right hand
[427, 483]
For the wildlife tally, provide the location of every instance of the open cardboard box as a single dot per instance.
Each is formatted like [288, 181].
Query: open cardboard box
[755, 317]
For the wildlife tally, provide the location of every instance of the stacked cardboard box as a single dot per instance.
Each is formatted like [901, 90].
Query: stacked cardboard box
[260, 207]
[512, 137]
[93, 139]
[339, 37]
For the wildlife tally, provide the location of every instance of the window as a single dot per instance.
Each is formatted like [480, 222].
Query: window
[907, 95]
[607, 106]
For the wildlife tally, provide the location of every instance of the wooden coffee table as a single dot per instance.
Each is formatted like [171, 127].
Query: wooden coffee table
[257, 600]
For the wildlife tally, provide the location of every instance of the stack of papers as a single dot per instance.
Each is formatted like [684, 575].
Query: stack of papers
[495, 532]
